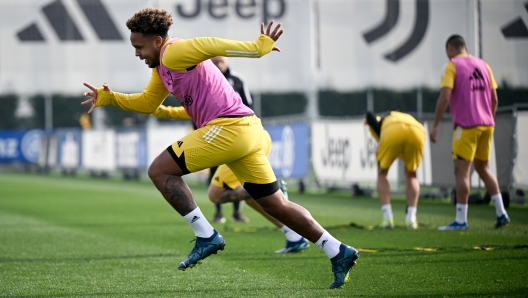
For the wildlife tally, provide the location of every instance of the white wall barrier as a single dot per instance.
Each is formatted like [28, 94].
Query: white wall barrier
[131, 149]
[341, 151]
[344, 151]
[99, 149]
[424, 173]
[520, 170]
[69, 148]
[161, 137]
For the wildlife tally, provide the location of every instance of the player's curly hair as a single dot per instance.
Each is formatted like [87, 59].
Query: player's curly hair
[150, 21]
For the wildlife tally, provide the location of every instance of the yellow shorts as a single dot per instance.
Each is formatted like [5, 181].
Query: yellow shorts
[224, 177]
[235, 142]
[472, 143]
[401, 140]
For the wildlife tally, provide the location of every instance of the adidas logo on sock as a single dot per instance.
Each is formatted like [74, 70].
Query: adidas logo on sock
[195, 218]
[323, 243]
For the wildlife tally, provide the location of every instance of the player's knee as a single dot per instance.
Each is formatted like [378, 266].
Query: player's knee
[213, 197]
[257, 191]
[480, 166]
[382, 172]
[153, 172]
[215, 193]
[410, 173]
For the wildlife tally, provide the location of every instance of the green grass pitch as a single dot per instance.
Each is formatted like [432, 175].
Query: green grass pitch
[81, 237]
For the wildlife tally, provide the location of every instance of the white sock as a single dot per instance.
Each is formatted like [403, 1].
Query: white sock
[499, 206]
[328, 244]
[461, 213]
[201, 227]
[411, 214]
[290, 234]
[387, 211]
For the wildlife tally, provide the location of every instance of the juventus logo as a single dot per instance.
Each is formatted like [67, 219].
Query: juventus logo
[391, 17]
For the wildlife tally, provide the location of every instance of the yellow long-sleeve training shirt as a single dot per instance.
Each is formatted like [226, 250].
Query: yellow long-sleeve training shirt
[179, 56]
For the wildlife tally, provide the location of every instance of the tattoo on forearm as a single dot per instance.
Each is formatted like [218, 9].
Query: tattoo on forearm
[235, 195]
[178, 194]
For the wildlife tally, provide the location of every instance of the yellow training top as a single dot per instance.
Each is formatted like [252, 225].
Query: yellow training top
[179, 56]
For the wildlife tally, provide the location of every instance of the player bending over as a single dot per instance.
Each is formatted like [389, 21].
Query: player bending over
[399, 135]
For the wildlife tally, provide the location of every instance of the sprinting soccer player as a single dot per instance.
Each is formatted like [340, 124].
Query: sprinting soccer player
[225, 187]
[469, 89]
[399, 135]
[228, 132]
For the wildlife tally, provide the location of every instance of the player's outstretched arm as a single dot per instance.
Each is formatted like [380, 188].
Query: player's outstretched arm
[146, 102]
[183, 54]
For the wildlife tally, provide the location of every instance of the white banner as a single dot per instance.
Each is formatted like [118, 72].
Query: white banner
[345, 151]
[69, 152]
[99, 152]
[505, 40]
[127, 149]
[520, 170]
[161, 137]
[424, 173]
[53, 46]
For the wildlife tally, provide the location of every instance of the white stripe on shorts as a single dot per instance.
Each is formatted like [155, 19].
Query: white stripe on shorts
[212, 133]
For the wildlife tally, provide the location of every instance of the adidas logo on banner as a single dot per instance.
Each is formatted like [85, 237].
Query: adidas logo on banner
[66, 29]
[195, 218]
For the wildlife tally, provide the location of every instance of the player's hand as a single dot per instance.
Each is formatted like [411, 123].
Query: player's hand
[432, 134]
[93, 94]
[275, 34]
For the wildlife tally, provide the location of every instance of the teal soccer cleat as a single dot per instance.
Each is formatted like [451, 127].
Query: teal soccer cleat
[502, 221]
[203, 248]
[342, 264]
[296, 246]
[454, 226]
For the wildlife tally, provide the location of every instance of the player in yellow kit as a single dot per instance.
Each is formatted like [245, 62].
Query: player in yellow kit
[399, 135]
[469, 89]
[228, 132]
